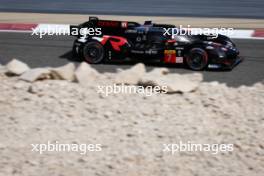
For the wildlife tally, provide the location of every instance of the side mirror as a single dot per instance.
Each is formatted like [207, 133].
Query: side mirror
[147, 22]
[92, 18]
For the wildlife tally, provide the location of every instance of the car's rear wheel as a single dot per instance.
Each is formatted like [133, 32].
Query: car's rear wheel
[197, 59]
[93, 52]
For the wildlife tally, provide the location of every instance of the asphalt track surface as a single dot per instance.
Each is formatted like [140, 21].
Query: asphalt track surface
[197, 8]
[54, 51]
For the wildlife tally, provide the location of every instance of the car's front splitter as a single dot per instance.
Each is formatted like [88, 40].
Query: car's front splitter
[226, 66]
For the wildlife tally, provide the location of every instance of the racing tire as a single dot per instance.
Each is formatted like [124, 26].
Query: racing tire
[93, 52]
[197, 59]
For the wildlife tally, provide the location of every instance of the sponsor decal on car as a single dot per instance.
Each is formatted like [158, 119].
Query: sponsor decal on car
[115, 41]
[124, 24]
[108, 24]
[170, 56]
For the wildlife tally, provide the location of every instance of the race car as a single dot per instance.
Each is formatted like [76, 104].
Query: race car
[110, 40]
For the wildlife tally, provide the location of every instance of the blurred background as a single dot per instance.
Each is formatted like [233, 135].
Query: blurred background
[199, 8]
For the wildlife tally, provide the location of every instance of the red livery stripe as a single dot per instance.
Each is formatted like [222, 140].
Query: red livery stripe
[17, 27]
[258, 33]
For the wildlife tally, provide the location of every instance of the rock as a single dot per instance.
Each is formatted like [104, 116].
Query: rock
[16, 67]
[131, 76]
[2, 69]
[259, 85]
[36, 74]
[65, 72]
[159, 71]
[85, 74]
[32, 89]
[35, 89]
[194, 77]
[118, 70]
[19, 85]
[172, 83]
[214, 83]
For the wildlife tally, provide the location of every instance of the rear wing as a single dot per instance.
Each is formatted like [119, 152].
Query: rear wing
[112, 23]
[108, 27]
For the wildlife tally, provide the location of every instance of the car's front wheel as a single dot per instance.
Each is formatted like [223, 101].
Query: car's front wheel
[197, 59]
[93, 52]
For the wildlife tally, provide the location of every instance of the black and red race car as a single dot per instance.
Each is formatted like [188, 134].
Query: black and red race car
[110, 40]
